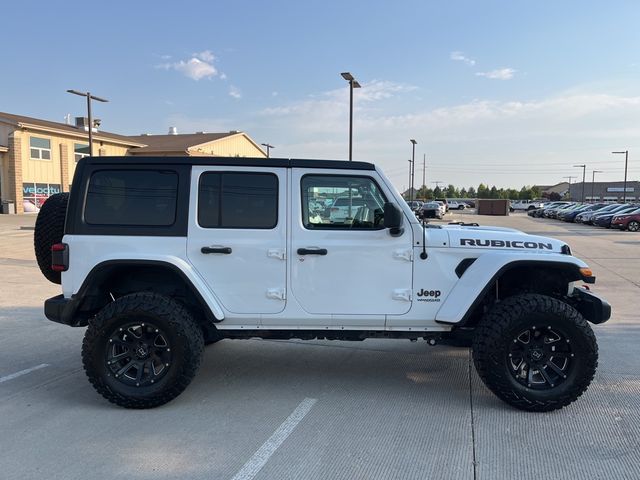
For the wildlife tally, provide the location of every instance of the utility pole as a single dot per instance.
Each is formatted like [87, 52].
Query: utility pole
[268, 147]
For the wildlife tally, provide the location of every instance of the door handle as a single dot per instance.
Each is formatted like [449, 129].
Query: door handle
[312, 251]
[225, 250]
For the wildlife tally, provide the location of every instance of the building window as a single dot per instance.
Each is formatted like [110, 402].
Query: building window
[40, 148]
[132, 197]
[35, 194]
[238, 200]
[80, 150]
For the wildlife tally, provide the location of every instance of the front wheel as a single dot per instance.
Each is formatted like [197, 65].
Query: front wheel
[535, 352]
[142, 350]
[633, 226]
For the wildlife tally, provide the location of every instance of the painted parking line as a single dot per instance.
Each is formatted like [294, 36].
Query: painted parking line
[261, 457]
[22, 372]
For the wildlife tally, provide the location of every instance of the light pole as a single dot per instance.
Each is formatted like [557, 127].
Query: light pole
[424, 170]
[353, 83]
[268, 147]
[584, 173]
[626, 162]
[409, 180]
[413, 164]
[89, 98]
[593, 181]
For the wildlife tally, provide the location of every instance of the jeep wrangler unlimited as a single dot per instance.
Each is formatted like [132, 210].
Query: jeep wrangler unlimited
[160, 256]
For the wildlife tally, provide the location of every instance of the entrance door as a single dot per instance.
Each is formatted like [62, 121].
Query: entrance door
[343, 260]
[237, 236]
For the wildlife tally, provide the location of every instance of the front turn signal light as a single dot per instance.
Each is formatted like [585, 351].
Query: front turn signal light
[586, 272]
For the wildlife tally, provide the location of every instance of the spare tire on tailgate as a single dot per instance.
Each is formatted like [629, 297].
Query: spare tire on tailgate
[49, 230]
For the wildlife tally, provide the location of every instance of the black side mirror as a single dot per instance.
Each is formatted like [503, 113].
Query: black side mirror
[393, 219]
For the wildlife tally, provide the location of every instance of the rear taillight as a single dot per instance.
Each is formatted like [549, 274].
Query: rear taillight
[59, 257]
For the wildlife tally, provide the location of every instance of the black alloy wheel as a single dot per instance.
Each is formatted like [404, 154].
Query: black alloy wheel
[142, 350]
[138, 354]
[540, 358]
[535, 352]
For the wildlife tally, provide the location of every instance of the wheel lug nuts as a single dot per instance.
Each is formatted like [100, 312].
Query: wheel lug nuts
[156, 330]
[120, 328]
[167, 364]
[152, 381]
[168, 349]
[137, 384]
[111, 340]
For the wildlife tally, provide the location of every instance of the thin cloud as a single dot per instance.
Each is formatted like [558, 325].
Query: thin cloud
[205, 56]
[498, 74]
[199, 66]
[235, 92]
[460, 57]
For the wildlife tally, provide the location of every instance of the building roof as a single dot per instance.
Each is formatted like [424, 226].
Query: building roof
[3, 148]
[176, 143]
[24, 121]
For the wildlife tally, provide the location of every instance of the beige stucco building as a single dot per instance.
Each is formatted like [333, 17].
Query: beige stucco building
[38, 157]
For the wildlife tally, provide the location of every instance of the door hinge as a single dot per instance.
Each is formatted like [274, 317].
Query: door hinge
[402, 294]
[404, 255]
[276, 293]
[278, 253]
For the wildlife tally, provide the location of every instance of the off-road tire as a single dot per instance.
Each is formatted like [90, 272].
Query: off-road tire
[183, 334]
[49, 230]
[497, 329]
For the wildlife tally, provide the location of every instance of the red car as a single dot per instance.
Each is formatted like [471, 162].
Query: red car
[627, 221]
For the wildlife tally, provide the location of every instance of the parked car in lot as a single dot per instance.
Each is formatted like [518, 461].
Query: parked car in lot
[444, 202]
[627, 221]
[432, 210]
[525, 205]
[415, 205]
[554, 212]
[585, 217]
[455, 205]
[539, 212]
[570, 216]
[177, 262]
[604, 220]
[344, 207]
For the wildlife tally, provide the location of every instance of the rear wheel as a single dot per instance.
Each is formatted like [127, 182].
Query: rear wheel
[142, 350]
[535, 352]
[633, 226]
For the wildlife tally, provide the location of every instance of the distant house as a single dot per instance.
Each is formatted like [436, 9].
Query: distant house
[561, 189]
[229, 144]
[38, 157]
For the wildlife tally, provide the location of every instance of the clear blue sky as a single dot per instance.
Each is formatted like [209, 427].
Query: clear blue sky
[502, 92]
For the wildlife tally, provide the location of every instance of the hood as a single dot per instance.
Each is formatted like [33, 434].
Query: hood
[497, 238]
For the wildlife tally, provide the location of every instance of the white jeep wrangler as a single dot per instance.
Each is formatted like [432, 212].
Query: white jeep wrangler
[159, 256]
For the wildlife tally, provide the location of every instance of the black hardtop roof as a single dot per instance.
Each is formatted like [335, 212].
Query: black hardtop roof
[230, 161]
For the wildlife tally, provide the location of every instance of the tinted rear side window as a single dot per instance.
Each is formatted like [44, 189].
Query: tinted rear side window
[238, 200]
[132, 197]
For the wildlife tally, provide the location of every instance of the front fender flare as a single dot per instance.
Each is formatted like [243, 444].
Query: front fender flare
[476, 281]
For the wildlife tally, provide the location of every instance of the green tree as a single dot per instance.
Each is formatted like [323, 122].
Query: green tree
[437, 192]
[471, 193]
[483, 191]
[452, 192]
[463, 193]
[493, 193]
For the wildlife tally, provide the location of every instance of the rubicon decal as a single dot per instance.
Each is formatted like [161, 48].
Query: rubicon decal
[429, 295]
[472, 242]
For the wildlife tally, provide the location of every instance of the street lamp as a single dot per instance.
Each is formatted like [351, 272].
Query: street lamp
[268, 146]
[89, 98]
[593, 181]
[409, 179]
[413, 165]
[353, 83]
[626, 162]
[584, 172]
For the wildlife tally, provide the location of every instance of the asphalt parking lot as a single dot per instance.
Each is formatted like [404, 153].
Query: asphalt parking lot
[316, 410]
